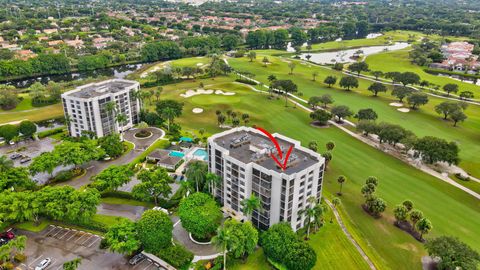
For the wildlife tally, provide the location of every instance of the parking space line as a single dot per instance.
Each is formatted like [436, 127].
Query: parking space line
[50, 233]
[83, 234]
[68, 231]
[148, 266]
[139, 263]
[60, 267]
[87, 240]
[34, 261]
[98, 238]
[56, 233]
[73, 235]
[51, 228]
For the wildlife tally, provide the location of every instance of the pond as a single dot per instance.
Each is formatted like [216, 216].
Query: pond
[347, 56]
[118, 72]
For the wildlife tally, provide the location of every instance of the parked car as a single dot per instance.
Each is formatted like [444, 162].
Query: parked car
[25, 159]
[3, 242]
[15, 156]
[136, 259]
[158, 208]
[7, 235]
[43, 264]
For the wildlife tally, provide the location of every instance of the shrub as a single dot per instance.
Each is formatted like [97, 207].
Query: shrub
[117, 194]
[177, 256]
[19, 257]
[49, 132]
[64, 176]
[247, 81]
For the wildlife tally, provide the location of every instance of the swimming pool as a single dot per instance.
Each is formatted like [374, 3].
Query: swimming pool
[176, 154]
[201, 153]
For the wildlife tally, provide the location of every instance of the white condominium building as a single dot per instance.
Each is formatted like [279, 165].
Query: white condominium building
[86, 107]
[241, 156]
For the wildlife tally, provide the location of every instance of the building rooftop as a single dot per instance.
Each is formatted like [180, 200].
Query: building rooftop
[249, 145]
[99, 89]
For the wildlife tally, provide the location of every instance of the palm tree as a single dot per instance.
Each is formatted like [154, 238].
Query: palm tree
[222, 240]
[111, 108]
[5, 163]
[251, 204]
[318, 218]
[341, 179]
[158, 92]
[212, 180]
[196, 172]
[187, 186]
[335, 201]
[309, 213]
[291, 66]
[169, 114]
[121, 119]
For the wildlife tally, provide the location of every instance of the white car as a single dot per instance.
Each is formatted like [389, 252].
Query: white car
[43, 264]
[158, 208]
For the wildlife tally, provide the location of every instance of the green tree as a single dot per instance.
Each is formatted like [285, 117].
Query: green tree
[433, 150]
[200, 215]
[341, 112]
[196, 172]
[377, 74]
[27, 128]
[251, 204]
[341, 180]
[407, 78]
[401, 92]
[330, 80]
[154, 184]
[5, 164]
[276, 240]
[423, 226]
[408, 205]
[243, 238]
[415, 216]
[330, 145]
[169, 110]
[447, 107]
[348, 82]
[122, 237]
[450, 88]
[400, 212]
[366, 114]
[358, 67]
[453, 253]
[314, 75]
[154, 230]
[113, 177]
[376, 88]
[312, 145]
[466, 95]
[265, 61]
[320, 116]
[291, 66]
[222, 241]
[8, 132]
[45, 162]
[252, 55]
[212, 180]
[376, 206]
[417, 99]
[300, 256]
[286, 87]
[73, 264]
[112, 145]
[458, 116]
[325, 100]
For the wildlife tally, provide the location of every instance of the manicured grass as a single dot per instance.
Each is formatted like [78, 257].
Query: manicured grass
[30, 226]
[422, 122]
[107, 220]
[114, 200]
[475, 186]
[400, 61]
[452, 211]
[35, 114]
[256, 261]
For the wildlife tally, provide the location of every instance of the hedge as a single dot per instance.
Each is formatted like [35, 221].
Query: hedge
[117, 194]
[177, 256]
[450, 72]
[66, 175]
[247, 81]
[49, 132]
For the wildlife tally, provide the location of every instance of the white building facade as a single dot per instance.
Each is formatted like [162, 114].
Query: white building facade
[87, 111]
[241, 156]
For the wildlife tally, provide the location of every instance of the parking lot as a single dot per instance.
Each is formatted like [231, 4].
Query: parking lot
[63, 244]
[28, 148]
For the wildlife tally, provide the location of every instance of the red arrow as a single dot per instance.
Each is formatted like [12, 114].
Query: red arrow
[279, 150]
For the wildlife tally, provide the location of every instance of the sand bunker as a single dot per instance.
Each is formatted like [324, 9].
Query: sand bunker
[403, 110]
[191, 93]
[220, 92]
[199, 64]
[156, 68]
[396, 104]
[197, 110]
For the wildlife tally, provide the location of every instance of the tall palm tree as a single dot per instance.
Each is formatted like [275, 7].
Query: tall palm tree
[251, 204]
[222, 240]
[212, 180]
[309, 214]
[169, 114]
[158, 92]
[341, 179]
[196, 172]
[111, 108]
[121, 119]
[335, 201]
[5, 163]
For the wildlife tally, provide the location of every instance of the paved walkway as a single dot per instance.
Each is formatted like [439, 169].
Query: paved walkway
[143, 143]
[349, 236]
[182, 236]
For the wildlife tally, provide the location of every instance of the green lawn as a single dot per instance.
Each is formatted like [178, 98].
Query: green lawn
[114, 200]
[399, 61]
[35, 114]
[422, 122]
[451, 211]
